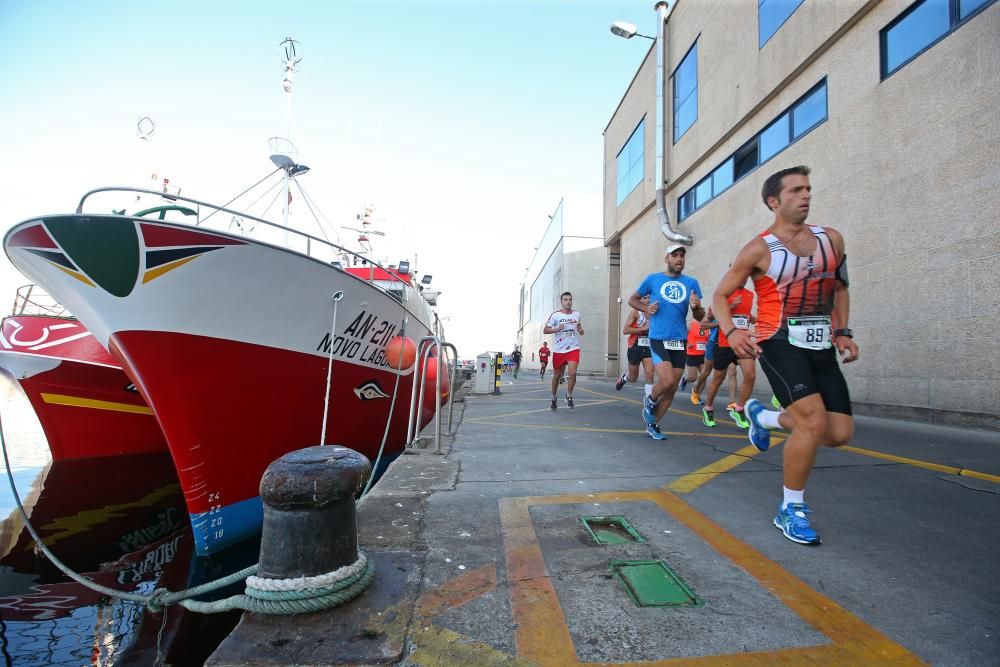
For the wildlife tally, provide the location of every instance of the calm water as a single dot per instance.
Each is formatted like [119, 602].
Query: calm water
[120, 521]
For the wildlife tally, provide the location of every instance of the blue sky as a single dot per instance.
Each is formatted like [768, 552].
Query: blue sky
[464, 122]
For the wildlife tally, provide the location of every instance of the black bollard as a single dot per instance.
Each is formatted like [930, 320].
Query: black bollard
[310, 527]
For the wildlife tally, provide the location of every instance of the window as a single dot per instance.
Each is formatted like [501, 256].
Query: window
[771, 15]
[629, 162]
[686, 93]
[921, 26]
[806, 113]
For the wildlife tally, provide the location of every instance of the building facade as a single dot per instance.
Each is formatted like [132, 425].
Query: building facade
[570, 258]
[895, 105]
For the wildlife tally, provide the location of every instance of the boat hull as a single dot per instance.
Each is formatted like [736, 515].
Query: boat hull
[85, 403]
[229, 341]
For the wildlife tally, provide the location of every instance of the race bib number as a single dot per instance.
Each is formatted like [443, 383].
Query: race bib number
[674, 344]
[700, 346]
[741, 321]
[811, 333]
[643, 341]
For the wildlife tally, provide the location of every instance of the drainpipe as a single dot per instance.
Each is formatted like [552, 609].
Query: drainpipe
[663, 10]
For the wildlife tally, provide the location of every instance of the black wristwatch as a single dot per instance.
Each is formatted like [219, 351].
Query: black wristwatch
[843, 332]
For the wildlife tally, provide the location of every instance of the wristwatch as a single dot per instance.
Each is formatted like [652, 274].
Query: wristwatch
[843, 332]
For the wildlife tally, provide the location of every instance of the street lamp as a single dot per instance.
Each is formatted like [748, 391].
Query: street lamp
[627, 30]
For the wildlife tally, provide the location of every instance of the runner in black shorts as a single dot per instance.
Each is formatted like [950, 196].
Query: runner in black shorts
[637, 329]
[800, 276]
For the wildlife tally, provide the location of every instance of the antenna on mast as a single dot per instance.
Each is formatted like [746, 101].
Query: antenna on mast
[283, 152]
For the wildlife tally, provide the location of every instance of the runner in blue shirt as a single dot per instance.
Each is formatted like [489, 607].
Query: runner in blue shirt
[670, 293]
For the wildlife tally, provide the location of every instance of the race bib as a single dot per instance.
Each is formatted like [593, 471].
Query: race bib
[699, 346]
[643, 341]
[741, 321]
[674, 344]
[811, 333]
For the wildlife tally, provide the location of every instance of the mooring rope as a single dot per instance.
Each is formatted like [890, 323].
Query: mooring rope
[337, 296]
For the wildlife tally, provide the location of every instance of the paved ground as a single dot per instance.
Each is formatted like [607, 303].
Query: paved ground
[483, 558]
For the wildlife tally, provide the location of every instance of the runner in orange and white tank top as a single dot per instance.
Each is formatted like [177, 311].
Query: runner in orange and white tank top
[800, 275]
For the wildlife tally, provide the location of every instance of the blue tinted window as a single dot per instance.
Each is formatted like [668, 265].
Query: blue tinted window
[771, 14]
[686, 93]
[966, 7]
[916, 31]
[809, 112]
[702, 193]
[685, 205]
[774, 138]
[722, 177]
[629, 163]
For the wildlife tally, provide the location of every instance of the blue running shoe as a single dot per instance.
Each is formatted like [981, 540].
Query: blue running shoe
[793, 522]
[649, 411]
[684, 382]
[653, 431]
[759, 436]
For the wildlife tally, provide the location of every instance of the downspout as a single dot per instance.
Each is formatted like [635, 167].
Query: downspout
[663, 10]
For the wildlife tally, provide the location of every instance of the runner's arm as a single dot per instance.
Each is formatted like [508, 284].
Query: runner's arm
[842, 306]
[742, 268]
[549, 329]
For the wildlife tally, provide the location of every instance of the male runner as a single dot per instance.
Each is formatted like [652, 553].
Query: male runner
[515, 358]
[565, 324]
[637, 329]
[800, 276]
[697, 341]
[741, 305]
[670, 293]
[543, 357]
[713, 335]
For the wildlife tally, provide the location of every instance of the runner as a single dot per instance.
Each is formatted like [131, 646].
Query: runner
[670, 293]
[800, 276]
[515, 359]
[637, 329]
[696, 343]
[699, 385]
[566, 325]
[741, 305]
[543, 357]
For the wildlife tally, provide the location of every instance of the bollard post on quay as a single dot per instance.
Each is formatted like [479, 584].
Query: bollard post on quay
[310, 524]
[498, 366]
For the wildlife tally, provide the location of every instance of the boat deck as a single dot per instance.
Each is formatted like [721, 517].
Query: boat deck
[483, 557]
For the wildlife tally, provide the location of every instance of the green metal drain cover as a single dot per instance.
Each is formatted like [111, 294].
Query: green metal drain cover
[611, 529]
[651, 583]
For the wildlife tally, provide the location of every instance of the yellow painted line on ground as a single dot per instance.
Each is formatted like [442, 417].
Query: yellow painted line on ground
[951, 470]
[692, 481]
[543, 637]
[490, 422]
[77, 402]
[673, 408]
[531, 412]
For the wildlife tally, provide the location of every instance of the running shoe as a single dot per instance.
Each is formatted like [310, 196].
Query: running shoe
[708, 417]
[793, 522]
[569, 401]
[775, 402]
[695, 398]
[621, 382]
[553, 406]
[653, 431]
[738, 416]
[759, 436]
[649, 411]
[684, 383]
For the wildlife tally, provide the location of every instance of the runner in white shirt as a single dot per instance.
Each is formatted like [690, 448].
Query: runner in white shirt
[566, 326]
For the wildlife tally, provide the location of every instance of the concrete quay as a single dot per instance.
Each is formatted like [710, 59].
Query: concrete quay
[483, 558]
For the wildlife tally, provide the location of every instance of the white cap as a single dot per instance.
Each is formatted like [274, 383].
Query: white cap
[674, 246]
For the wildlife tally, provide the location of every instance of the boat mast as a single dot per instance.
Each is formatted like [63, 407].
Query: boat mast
[291, 61]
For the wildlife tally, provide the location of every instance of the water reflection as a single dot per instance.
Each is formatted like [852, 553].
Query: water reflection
[120, 521]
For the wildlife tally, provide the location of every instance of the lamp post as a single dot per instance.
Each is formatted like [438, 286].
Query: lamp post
[628, 31]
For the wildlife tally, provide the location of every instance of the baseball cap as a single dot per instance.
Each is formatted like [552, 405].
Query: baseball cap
[674, 246]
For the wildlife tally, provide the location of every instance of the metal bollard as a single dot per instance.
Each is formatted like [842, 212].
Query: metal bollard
[498, 365]
[310, 526]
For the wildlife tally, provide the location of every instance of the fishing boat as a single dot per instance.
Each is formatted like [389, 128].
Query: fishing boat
[85, 403]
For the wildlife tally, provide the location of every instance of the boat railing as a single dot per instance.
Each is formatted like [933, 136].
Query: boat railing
[312, 243]
[32, 300]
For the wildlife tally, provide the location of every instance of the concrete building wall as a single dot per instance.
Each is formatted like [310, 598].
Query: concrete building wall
[568, 260]
[906, 168]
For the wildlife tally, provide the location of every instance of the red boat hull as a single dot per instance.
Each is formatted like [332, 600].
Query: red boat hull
[85, 403]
